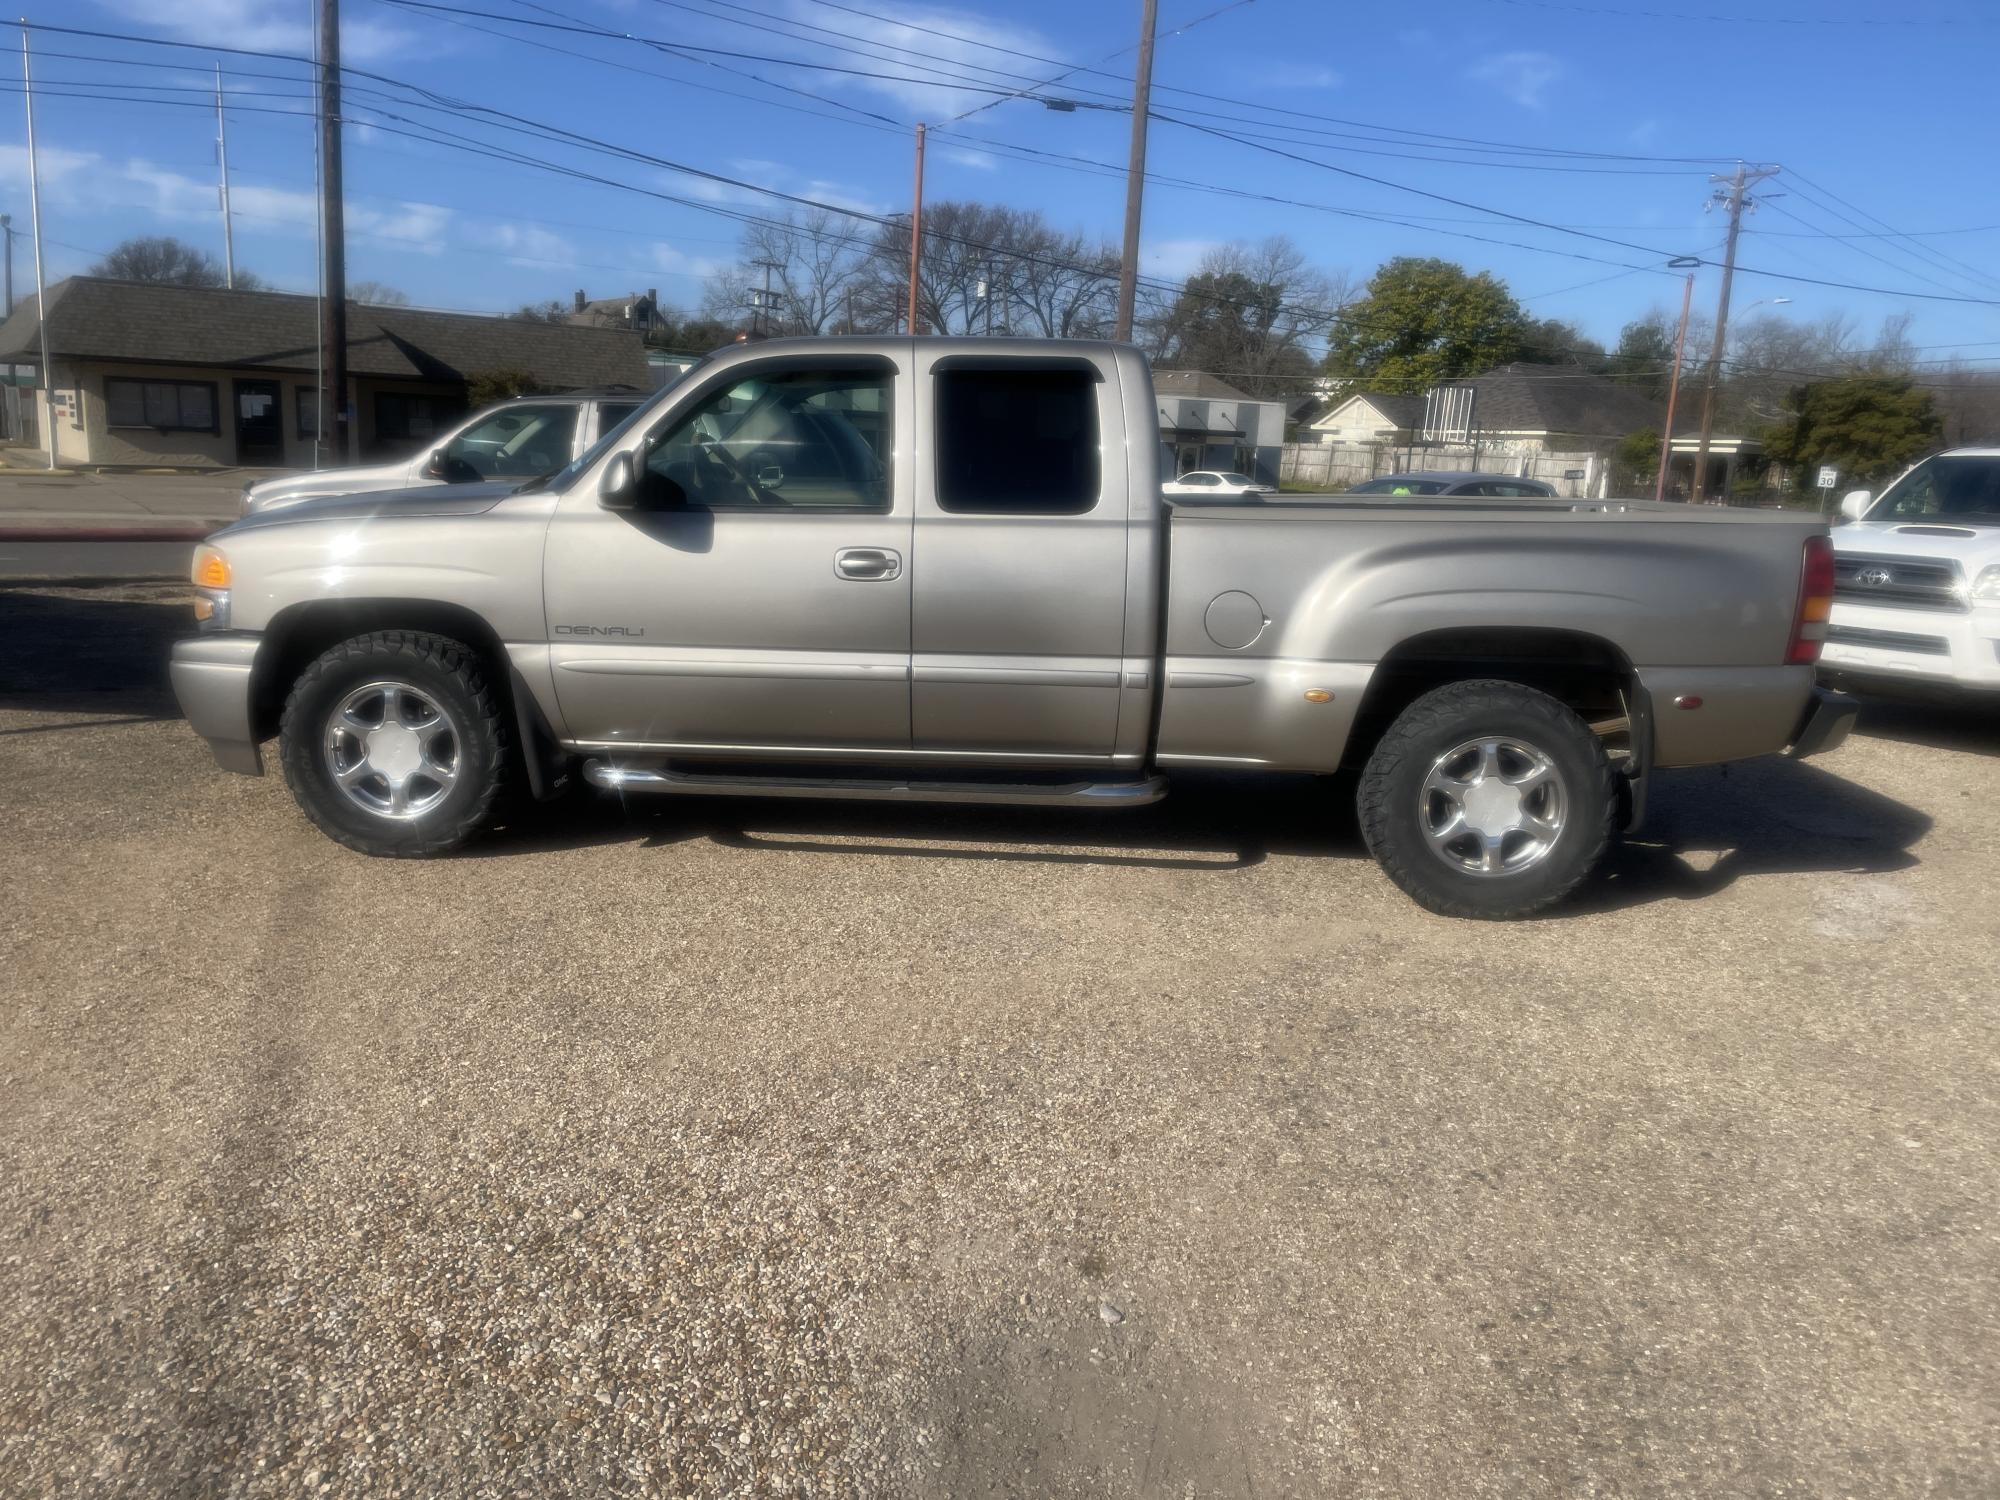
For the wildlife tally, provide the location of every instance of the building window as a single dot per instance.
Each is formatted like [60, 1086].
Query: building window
[163, 405]
[1020, 440]
[305, 399]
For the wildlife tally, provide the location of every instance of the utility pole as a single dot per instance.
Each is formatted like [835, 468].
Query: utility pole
[1135, 171]
[1674, 384]
[916, 231]
[333, 307]
[7, 228]
[764, 302]
[35, 224]
[222, 160]
[1735, 197]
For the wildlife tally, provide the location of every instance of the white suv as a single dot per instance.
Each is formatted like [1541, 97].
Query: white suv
[1917, 578]
[520, 439]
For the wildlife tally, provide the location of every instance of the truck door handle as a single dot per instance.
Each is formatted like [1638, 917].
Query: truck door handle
[868, 564]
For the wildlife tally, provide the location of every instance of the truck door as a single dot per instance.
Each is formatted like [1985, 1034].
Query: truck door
[1018, 627]
[759, 598]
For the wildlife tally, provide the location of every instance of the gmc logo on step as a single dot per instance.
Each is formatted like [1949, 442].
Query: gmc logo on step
[597, 630]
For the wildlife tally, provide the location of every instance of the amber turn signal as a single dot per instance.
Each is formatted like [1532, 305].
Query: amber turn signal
[204, 607]
[211, 569]
[1318, 695]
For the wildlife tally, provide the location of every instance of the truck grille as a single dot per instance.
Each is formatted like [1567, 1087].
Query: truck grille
[1888, 640]
[1898, 582]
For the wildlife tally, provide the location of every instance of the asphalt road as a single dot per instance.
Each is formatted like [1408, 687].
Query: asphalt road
[112, 560]
[704, 1149]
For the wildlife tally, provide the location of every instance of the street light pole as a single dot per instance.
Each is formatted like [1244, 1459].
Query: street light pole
[41, 286]
[1135, 171]
[222, 163]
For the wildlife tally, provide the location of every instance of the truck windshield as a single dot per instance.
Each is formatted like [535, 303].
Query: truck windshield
[1964, 488]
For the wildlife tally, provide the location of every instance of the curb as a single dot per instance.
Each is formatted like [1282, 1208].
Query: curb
[108, 533]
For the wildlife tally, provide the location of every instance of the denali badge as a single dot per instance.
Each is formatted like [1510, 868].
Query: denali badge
[597, 630]
[1874, 578]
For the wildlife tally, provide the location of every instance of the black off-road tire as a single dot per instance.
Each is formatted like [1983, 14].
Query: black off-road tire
[450, 672]
[1390, 798]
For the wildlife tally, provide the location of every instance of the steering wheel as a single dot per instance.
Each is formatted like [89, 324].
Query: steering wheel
[722, 458]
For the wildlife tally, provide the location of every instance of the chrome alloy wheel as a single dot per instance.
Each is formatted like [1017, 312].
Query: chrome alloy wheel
[1492, 806]
[392, 750]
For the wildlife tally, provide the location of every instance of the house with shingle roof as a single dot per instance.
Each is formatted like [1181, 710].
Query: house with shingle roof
[1368, 418]
[149, 373]
[1524, 408]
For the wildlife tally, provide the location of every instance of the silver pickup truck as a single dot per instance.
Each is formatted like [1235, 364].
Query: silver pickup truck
[942, 570]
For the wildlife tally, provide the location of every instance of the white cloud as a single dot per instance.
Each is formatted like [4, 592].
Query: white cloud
[263, 27]
[979, 161]
[1523, 77]
[88, 182]
[1177, 259]
[672, 261]
[1296, 76]
[528, 244]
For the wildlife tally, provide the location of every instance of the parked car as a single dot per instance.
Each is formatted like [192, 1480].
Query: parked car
[750, 590]
[1451, 483]
[1215, 484]
[1916, 599]
[520, 439]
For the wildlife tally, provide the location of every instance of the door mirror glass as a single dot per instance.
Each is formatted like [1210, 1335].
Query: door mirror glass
[434, 466]
[616, 489]
[1854, 504]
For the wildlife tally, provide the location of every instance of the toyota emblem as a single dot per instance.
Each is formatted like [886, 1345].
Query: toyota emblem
[1874, 578]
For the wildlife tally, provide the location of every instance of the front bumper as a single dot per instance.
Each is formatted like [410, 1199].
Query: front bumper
[1824, 725]
[1939, 647]
[211, 676]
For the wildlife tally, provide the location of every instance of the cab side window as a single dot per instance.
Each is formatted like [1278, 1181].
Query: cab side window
[515, 441]
[1019, 440]
[791, 439]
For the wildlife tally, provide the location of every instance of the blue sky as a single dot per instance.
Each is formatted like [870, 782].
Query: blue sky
[1889, 108]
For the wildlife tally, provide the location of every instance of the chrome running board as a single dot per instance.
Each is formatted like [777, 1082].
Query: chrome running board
[603, 773]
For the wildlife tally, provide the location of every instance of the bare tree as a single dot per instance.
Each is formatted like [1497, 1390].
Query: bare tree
[1250, 314]
[815, 261]
[377, 293]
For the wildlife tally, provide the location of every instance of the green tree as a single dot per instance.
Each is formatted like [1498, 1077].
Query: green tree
[1551, 341]
[1644, 356]
[552, 311]
[1865, 425]
[1635, 461]
[1421, 321]
[488, 386]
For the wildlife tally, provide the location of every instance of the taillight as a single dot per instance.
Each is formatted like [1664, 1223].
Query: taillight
[1815, 603]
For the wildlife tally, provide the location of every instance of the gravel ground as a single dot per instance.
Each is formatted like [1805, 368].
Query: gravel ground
[710, 1149]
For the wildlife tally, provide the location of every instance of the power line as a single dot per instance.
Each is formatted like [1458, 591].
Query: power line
[1935, 257]
[1721, 20]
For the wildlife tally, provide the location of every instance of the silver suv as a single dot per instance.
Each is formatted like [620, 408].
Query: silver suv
[520, 439]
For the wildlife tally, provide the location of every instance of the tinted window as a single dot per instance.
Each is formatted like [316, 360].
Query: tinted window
[611, 413]
[1965, 487]
[1399, 486]
[1017, 441]
[518, 442]
[1208, 479]
[791, 439]
[168, 405]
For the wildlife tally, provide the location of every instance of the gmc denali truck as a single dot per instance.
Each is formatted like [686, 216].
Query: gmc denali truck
[941, 569]
[1916, 586]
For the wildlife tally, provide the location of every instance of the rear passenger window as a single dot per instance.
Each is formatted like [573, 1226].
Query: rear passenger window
[1017, 441]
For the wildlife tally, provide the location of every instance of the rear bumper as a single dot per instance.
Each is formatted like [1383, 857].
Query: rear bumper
[211, 676]
[1825, 724]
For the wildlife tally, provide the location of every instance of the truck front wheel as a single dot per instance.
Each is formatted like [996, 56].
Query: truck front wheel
[1488, 799]
[395, 743]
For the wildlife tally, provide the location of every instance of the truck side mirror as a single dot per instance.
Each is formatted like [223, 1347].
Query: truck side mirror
[618, 488]
[1854, 504]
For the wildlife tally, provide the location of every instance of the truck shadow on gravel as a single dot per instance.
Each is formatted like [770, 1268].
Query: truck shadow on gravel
[1705, 830]
[73, 648]
[1969, 725]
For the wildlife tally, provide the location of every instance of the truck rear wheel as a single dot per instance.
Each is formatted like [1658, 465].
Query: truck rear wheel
[395, 744]
[1488, 799]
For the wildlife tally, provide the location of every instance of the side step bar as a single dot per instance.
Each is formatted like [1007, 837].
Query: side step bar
[603, 773]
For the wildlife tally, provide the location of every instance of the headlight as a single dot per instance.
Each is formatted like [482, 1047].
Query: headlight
[1987, 584]
[211, 568]
[212, 578]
